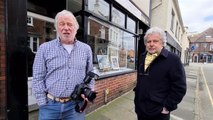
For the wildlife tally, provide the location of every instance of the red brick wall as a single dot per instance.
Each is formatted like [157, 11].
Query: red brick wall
[39, 30]
[2, 62]
[117, 86]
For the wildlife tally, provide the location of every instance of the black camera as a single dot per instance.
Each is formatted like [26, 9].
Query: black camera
[83, 88]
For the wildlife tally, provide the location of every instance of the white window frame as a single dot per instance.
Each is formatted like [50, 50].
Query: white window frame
[29, 20]
[31, 41]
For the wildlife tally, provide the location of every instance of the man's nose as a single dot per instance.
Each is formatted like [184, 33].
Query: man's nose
[151, 43]
[65, 26]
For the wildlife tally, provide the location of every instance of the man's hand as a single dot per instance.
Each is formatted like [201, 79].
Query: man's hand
[164, 111]
[83, 96]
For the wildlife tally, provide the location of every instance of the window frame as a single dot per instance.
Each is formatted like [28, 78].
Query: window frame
[31, 41]
[29, 20]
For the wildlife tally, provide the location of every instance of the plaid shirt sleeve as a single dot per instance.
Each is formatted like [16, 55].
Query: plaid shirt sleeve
[39, 71]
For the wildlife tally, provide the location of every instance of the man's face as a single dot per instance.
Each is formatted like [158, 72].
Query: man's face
[66, 29]
[154, 44]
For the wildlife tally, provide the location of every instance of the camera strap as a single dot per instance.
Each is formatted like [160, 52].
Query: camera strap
[79, 108]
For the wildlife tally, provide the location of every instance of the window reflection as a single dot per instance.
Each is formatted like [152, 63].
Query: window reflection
[41, 31]
[130, 46]
[131, 24]
[113, 49]
[99, 7]
[118, 17]
[80, 31]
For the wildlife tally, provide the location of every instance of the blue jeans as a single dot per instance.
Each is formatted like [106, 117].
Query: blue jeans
[60, 111]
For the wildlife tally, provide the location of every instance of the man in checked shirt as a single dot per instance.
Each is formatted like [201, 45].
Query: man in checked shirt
[59, 66]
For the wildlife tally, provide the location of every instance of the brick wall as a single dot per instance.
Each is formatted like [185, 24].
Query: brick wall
[2, 62]
[116, 86]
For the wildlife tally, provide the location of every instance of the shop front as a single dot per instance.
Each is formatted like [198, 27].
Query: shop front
[108, 28]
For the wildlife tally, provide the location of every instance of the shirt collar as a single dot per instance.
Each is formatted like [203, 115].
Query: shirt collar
[155, 54]
[60, 44]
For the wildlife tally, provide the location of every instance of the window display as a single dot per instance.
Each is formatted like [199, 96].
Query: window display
[113, 49]
[103, 62]
[114, 62]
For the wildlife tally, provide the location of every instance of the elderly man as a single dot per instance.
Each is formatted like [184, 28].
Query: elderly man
[59, 66]
[161, 81]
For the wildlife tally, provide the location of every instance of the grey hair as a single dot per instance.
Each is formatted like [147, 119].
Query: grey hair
[66, 13]
[156, 30]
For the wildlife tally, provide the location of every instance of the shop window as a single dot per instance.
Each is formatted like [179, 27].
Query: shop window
[168, 47]
[99, 7]
[33, 43]
[176, 31]
[43, 30]
[43, 27]
[29, 21]
[118, 17]
[172, 21]
[131, 24]
[113, 49]
[80, 31]
[211, 47]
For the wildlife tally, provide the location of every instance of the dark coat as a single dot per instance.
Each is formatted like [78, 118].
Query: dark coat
[163, 84]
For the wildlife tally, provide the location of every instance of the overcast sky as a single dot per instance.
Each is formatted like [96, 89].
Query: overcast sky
[197, 14]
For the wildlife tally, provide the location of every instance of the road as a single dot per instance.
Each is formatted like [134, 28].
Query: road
[206, 92]
[198, 101]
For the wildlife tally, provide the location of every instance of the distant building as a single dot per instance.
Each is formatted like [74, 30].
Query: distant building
[201, 46]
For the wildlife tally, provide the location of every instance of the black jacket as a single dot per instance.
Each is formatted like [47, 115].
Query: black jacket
[163, 84]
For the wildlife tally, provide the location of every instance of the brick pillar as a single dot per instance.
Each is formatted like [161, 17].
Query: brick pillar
[2, 62]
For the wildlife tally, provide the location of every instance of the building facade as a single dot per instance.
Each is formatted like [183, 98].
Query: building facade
[166, 15]
[201, 47]
[110, 27]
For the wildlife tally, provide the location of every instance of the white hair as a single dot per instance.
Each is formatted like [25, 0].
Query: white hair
[156, 30]
[66, 13]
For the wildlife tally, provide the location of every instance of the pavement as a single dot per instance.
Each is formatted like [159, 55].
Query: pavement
[122, 108]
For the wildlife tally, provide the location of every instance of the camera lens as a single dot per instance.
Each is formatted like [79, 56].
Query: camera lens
[91, 95]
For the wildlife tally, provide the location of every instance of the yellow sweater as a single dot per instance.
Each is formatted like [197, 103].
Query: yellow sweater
[149, 58]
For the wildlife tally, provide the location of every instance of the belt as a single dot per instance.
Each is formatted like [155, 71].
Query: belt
[62, 100]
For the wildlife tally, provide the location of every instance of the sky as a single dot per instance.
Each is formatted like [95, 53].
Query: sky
[197, 15]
